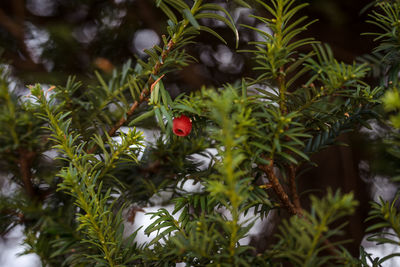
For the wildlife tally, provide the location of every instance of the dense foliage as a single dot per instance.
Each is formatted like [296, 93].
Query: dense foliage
[258, 135]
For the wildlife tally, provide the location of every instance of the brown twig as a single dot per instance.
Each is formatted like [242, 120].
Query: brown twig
[293, 188]
[294, 209]
[25, 163]
[283, 197]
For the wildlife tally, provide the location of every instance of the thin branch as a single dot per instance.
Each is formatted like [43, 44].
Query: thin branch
[282, 90]
[293, 188]
[25, 163]
[282, 195]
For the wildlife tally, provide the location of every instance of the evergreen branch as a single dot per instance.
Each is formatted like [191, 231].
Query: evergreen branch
[25, 156]
[175, 37]
[115, 153]
[145, 93]
[231, 117]
[177, 31]
[311, 101]
[98, 222]
[388, 217]
[150, 82]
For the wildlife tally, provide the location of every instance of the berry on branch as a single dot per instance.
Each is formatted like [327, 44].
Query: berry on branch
[182, 126]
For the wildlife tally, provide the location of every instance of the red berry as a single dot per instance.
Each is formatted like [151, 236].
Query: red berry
[182, 126]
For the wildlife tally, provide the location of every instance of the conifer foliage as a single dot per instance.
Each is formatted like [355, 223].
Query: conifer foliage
[264, 129]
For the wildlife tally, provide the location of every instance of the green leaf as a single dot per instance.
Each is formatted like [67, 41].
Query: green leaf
[102, 82]
[288, 157]
[178, 4]
[165, 97]
[161, 235]
[167, 115]
[185, 108]
[243, 3]
[159, 119]
[223, 19]
[298, 152]
[209, 30]
[192, 20]
[142, 117]
[170, 14]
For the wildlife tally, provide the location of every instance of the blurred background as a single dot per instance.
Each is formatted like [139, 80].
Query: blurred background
[45, 41]
[48, 40]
